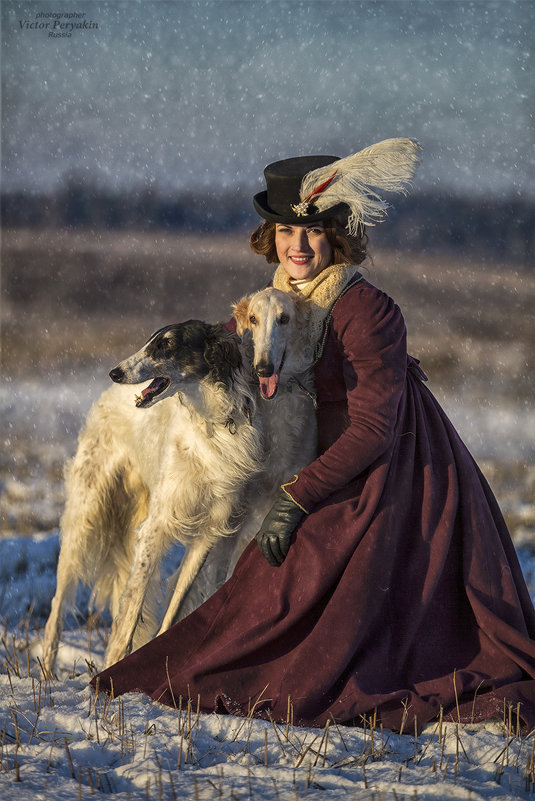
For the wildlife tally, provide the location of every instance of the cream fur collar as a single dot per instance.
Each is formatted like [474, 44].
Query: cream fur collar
[322, 292]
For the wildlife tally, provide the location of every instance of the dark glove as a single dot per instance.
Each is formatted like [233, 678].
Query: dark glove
[274, 536]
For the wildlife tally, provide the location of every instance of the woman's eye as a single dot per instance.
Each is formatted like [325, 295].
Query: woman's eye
[284, 319]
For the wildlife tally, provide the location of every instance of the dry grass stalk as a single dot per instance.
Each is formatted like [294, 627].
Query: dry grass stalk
[305, 752]
[444, 737]
[69, 758]
[275, 729]
[424, 752]
[16, 765]
[405, 705]
[474, 701]
[266, 762]
[364, 777]
[456, 697]
[459, 742]
[2, 743]
[323, 743]
[16, 727]
[445, 769]
[96, 696]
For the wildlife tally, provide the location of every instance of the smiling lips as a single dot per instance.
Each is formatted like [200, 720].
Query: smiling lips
[300, 259]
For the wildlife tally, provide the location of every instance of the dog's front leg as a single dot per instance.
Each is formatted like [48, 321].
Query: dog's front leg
[146, 559]
[189, 569]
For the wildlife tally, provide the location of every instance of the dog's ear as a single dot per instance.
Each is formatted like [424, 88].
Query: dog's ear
[241, 314]
[222, 354]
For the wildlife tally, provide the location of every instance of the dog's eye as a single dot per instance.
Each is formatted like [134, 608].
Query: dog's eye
[168, 343]
[252, 319]
[284, 319]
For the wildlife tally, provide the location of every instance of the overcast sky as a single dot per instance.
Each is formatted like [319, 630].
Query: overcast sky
[182, 93]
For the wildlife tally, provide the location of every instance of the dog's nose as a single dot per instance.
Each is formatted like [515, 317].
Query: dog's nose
[264, 369]
[116, 375]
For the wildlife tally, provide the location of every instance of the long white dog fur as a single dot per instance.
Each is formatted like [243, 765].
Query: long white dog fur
[198, 463]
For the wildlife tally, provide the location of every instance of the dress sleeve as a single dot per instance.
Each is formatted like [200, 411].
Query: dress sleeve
[371, 330]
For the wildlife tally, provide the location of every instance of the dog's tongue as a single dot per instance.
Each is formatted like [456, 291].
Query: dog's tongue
[153, 388]
[268, 386]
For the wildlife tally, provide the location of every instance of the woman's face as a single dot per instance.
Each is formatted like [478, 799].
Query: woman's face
[303, 250]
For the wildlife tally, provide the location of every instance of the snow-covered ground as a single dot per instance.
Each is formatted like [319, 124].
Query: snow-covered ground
[61, 743]
[58, 742]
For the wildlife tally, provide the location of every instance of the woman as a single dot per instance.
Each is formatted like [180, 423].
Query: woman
[385, 581]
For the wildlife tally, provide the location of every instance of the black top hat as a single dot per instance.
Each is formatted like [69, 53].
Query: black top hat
[283, 182]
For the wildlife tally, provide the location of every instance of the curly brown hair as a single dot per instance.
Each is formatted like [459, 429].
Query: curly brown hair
[346, 248]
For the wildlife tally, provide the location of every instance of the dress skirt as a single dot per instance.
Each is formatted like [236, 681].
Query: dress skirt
[401, 597]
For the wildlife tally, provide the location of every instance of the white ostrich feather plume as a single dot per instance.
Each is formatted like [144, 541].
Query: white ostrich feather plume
[388, 165]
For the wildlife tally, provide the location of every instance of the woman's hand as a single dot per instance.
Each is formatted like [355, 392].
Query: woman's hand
[275, 532]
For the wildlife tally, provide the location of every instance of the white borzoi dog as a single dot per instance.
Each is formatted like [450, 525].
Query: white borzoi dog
[196, 457]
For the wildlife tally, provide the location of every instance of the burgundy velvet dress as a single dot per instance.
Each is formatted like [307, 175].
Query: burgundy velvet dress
[401, 593]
